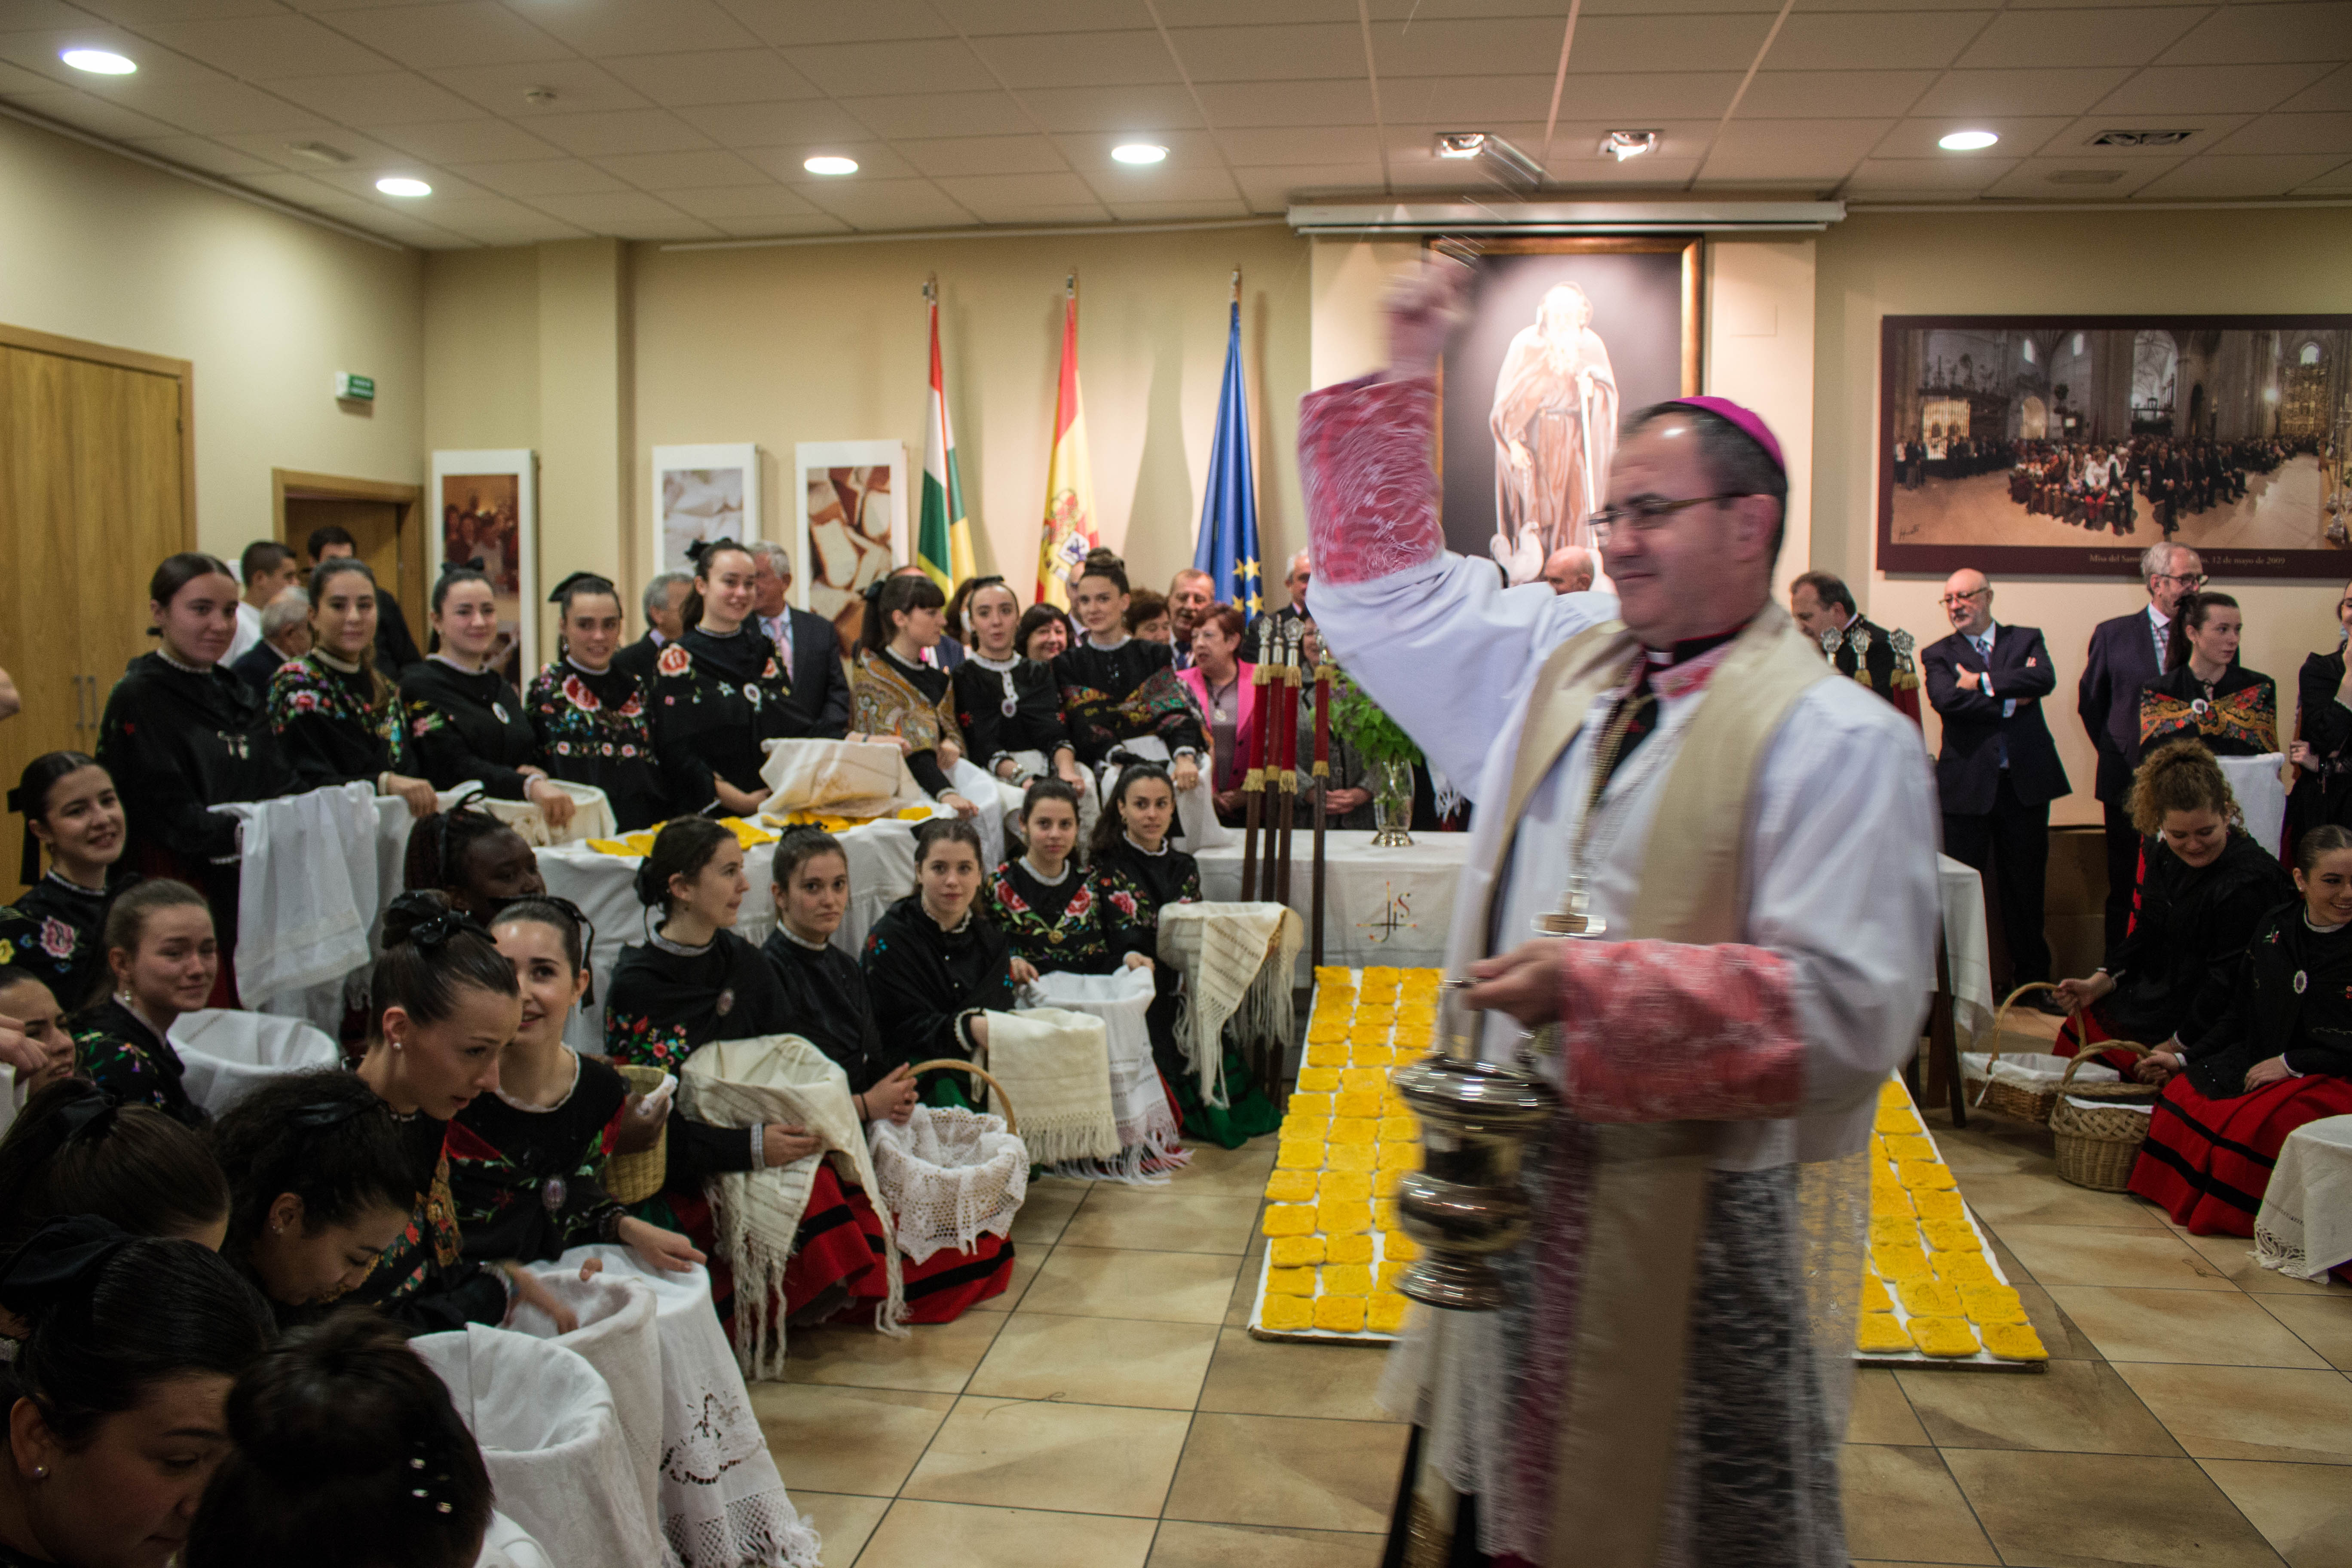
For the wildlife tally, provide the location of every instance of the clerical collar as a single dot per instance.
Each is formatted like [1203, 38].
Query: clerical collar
[1690, 648]
[1055, 880]
[62, 880]
[341, 666]
[797, 940]
[1139, 849]
[996, 665]
[462, 670]
[185, 668]
[1095, 642]
[584, 669]
[679, 949]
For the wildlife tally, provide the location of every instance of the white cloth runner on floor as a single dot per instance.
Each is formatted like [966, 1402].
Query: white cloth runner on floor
[307, 865]
[751, 1083]
[1236, 959]
[953, 1175]
[1150, 1143]
[720, 1501]
[227, 1053]
[615, 1336]
[1055, 1070]
[552, 1442]
[2305, 1226]
[837, 778]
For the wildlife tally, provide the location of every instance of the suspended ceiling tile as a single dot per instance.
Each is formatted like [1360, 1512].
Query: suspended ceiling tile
[1639, 98]
[2331, 91]
[1946, 176]
[215, 107]
[2061, 178]
[543, 177]
[1119, 186]
[204, 154]
[1610, 44]
[1650, 169]
[2216, 177]
[2101, 38]
[377, 97]
[359, 183]
[1792, 149]
[2021, 91]
[1136, 58]
[916, 65]
[258, 48]
[2337, 181]
[536, 229]
[2174, 91]
[15, 81]
[621, 130]
[1801, 95]
[1869, 40]
[891, 204]
[1087, 152]
[1877, 4]
[278, 148]
[84, 112]
[981, 17]
[605, 27]
[1578, 141]
[2291, 133]
[665, 172]
[473, 34]
[770, 200]
[1239, 104]
[1246, 13]
[755, 227]
[468, 141]
[1470, 102]
[984, 155]
[1486, 46]
[37, 50]
[876, 162]
[139, 13]
[982, 193]
[2205, 130]
[464, 213]
[629, 214]
[1077, 108]
[1179, 212]
[1315, 51]
[1673, 7]
[1055, 214]
[1302, 144]
[2020, 136]
[580, 88]
[1270, 190]
[920, 114]
[782, 124]
[752, 75]
[792, 22]
[2250, 34]
[300, 189]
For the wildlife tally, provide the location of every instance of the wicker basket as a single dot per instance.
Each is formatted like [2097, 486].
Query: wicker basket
[1000, 1102]
[2036, 1105]
[634, 1178]
[2097, 1148]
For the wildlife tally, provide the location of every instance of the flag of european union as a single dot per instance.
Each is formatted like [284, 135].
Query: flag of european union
[1226, 548]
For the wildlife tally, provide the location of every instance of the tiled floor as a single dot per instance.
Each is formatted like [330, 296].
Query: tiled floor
[1109, 1410]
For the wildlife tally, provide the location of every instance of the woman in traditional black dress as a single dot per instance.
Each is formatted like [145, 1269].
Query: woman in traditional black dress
[183, 734]
[2204, 695]
[593, 717]
[895, 696]
[471, 858]
[161, 953]
[1116, 688]
[825, 991]
[1008, 704]
[72, 1151]
[338, 717]
[720, 689]
[464, 722]
[1043, 902]
[55, 929]
[935, 964]
[1136, 874]
[2323, 752]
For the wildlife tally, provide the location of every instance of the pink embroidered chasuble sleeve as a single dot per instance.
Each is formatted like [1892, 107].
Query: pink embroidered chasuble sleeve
[1665, 1031]
[1371, 495]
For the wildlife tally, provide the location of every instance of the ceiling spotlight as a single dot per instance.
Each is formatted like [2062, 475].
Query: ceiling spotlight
[1966, 141]
[1139, 152]
[1461, 144]
[1624, 144]
[1496, 158]
[826, 164]
[402, 185]
[98, 62]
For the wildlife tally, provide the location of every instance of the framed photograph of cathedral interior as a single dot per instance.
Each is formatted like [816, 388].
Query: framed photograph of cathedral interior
[703, 492]
[1566, 337]
[2065, 446]
[852, 527]
[489, 521]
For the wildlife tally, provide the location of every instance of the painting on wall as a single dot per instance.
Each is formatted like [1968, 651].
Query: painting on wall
[703, 493]
[1566, 337]
[2065, 446]
[489, 522]
[852, 528]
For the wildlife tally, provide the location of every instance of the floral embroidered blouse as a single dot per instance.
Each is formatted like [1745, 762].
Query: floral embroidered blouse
[595, 727]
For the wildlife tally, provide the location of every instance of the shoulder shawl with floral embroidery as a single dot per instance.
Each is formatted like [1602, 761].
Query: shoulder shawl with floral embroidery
[337, 727]
[2238, 716]
[714, 699]
[1055, 926]
[596, 727]
[917, 704]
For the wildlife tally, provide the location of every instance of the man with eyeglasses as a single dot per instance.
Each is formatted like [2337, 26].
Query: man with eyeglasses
[1997, 770]
[1704, 868]
[2126, 654]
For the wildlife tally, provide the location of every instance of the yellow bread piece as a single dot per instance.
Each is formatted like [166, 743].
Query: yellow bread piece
[1313, 1129]
[1333, 1054]
[1385, 1313]
[1923, 1175]
[1342, 1218]
[1356, 1156]
[1392, 1275]
[1334, 974]
[1363, 1080]
[1940, 1205]
[1289, 1314]
[1878, 1333]
[1894, 1228]
[1290, 1186]
[1399, 1129]
[1298, 1154]
[1906, 1146]
[2014, 1341]
[1347, 1279]
[1874, 1298]
[1949, 1337]
[1991, 1304]
[1363, 1039]
[1889, 1199]
[1964, 1268]
[1345, 1187]
[1877, 1151]
[1892, 1092]
[1396, 1247]
[1290, 1281]
[1289, 1219]
[1309, 1104]
[1348, 1249]
[1892, 1119]
[1892, 1262]
[1297, 1251]
[1354, 1128]
[1399, 1156]
[1384, 1215]
[1384, 1183]
[1375, 1058]
[1317, 1080]
[1359, 1102]
[1340, 1314]
[1326, 1032]
[1411, 1039]
[1950, 1235]
[1929, 1299]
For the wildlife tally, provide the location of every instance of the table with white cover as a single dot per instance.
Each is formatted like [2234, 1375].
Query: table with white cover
[1380, 906]
[2305, 1226]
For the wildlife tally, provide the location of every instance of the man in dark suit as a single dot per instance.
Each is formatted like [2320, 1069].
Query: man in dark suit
[1999, 770]
[819, 703]
[285, 636]
[2127, 653]
[1857, 646]
[664, 604]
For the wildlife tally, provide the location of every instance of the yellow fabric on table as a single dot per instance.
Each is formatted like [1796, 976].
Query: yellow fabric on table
[1340, 1314]
[1399, 1157]
[1298, 1154]
[1909, 1146]
[1896, 1262]
[1290, 1186]
[1290, 1281]
[1349, 1249]
[1874, 1298]
[1354, 1128]
[1947, 1337]
[1964, 1268]
[1929, 1299]
[1297, 1251]
[1317, 1080]
[1878, 1333]
[1310, 1105]
[1344, 1187]
[1991, 1304]
[1289, 1219]
[1289, 1314]
[1354, 1156]
[1940, 1205]
[1950, 1235]
[1892, 1119]
[1922, 1175]
[2014, 1341]
[1342, 1219]
[1347, 1279]
[1385, 1313]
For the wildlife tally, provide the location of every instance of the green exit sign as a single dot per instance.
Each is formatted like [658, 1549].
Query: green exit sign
[356, 388]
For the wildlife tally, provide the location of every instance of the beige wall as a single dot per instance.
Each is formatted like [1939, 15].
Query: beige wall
[267, 307]
[1872, 266]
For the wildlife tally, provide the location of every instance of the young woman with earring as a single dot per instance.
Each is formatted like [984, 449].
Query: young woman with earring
[593, 717]
[339, 720]
[895, 696]
[1008, 704]
[719, 688]
[464, 722]
[55, 929]
[159, 948]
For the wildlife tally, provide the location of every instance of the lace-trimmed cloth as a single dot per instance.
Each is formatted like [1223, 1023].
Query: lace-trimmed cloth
[1236, 959]
[952, 1176]
[2305, 1227]
[1054, 1066]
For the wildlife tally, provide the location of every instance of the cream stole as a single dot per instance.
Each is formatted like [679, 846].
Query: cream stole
[1614, 1458]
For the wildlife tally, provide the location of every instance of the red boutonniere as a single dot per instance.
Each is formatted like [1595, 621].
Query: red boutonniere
[769, 673]
[674, 660]
[576, 692]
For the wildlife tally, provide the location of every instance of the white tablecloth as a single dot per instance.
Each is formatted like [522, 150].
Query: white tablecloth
[1966, 946]
[2255, 782]
[2305, 1227]
[1379, 906]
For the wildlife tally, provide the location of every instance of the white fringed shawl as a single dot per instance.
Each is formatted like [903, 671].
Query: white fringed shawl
[1236, 959]
[1054, 1066]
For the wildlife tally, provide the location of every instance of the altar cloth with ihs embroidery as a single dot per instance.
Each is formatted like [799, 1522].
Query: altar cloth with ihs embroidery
[1381, 907]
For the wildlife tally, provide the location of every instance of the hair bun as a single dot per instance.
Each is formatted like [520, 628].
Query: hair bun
[61, 1259]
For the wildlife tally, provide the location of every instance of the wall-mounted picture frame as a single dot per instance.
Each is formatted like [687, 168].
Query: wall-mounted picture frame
[486, 515]
[703, 492]
[1566, 336]
[2065, 446]
[851, 527]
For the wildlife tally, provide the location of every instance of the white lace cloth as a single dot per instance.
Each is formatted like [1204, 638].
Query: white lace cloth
[951, 1175]
[839, 778]
[616, 1336]
[1235, 959]
[229, 1053]
[720, 1500]
[2256, 783]
[1149, 1140]
[978, 786]
[552, 1442]
[1055, 1068]
[2305, 1226]
[307, 868]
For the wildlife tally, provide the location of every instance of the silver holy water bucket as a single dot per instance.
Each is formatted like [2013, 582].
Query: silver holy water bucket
[1465, 1205]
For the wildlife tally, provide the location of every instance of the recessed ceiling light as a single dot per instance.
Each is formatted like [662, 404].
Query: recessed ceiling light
[98, 62]
[402, 185]
[1624, 144]
[1966, 141]
[825, 163]
[1461, 144]
[1139, 152]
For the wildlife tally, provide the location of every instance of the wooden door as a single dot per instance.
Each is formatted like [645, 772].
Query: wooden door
[377, 526]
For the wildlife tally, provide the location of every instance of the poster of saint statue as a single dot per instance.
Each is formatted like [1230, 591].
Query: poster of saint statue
[1566, 337]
